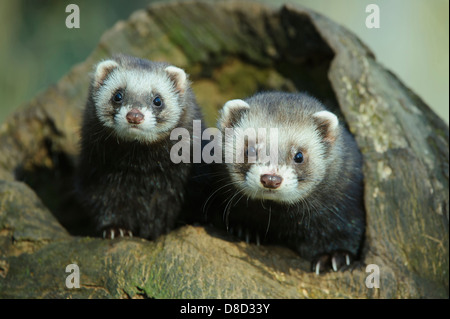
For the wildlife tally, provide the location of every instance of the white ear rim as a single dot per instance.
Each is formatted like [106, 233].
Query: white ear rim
[329, 117]
[231, 105]
[227, 110]
[178, 76]
[103, 68]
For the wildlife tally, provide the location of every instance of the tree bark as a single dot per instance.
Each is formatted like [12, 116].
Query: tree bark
[231, 50]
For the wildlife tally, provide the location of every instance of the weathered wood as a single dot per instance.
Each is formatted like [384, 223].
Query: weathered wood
[231, 49]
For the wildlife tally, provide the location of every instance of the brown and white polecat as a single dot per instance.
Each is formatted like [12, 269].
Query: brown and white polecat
[126, 178]
[311, 198]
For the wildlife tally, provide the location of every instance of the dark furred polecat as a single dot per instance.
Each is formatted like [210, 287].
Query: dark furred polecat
[311, 198]
[126, 178]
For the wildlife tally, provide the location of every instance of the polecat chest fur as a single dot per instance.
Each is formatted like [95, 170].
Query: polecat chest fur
[126, 178]
[302, 189]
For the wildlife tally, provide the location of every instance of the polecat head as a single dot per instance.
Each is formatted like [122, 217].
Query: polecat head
[296, 129]
[138, 99]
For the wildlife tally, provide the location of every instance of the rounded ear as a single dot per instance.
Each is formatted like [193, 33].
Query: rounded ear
[178, 77]
[327, 125]
[102, 70]
[231, 112]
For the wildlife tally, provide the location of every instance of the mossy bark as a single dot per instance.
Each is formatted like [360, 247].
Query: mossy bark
[231, 50]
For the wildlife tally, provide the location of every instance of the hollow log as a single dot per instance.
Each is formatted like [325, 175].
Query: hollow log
[231, 50]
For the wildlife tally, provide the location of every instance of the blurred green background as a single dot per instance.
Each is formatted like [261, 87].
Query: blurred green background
[37, 48]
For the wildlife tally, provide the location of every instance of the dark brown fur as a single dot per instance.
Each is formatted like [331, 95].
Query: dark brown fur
[132, 185]
[327, 225]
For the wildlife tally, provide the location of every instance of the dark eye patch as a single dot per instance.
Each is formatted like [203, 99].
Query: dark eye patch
[158, 106]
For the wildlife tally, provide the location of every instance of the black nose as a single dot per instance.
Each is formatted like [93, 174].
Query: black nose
[135, 116]
[271, 181]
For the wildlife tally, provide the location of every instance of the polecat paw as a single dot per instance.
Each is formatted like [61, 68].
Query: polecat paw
[246, 234]
[114, 232]
[337, 260]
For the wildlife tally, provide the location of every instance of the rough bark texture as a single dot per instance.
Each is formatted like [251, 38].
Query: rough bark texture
[231, 50]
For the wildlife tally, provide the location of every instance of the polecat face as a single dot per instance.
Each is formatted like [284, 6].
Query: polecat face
[138, 99]
[305, 136]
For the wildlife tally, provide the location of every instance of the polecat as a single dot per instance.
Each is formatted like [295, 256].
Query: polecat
[126, 178]
[311, 198]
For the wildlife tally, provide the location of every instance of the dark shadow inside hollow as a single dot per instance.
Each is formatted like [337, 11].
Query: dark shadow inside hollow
[305, 58]
[54, 183]
[295, 59]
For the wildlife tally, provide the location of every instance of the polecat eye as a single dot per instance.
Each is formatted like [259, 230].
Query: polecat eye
[118, 97]
[157, 101]
[251, 151]
[298, 158]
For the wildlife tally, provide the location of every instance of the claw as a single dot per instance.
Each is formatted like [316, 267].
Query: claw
[336, 260]
[113, 232]
[334, 264]
[317, 268]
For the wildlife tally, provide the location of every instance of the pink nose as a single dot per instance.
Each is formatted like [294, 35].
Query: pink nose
[271, 181]
[135, 117]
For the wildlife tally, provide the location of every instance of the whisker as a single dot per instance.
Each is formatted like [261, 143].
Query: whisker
[268, 222]
[204, 208]
[227, 210]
